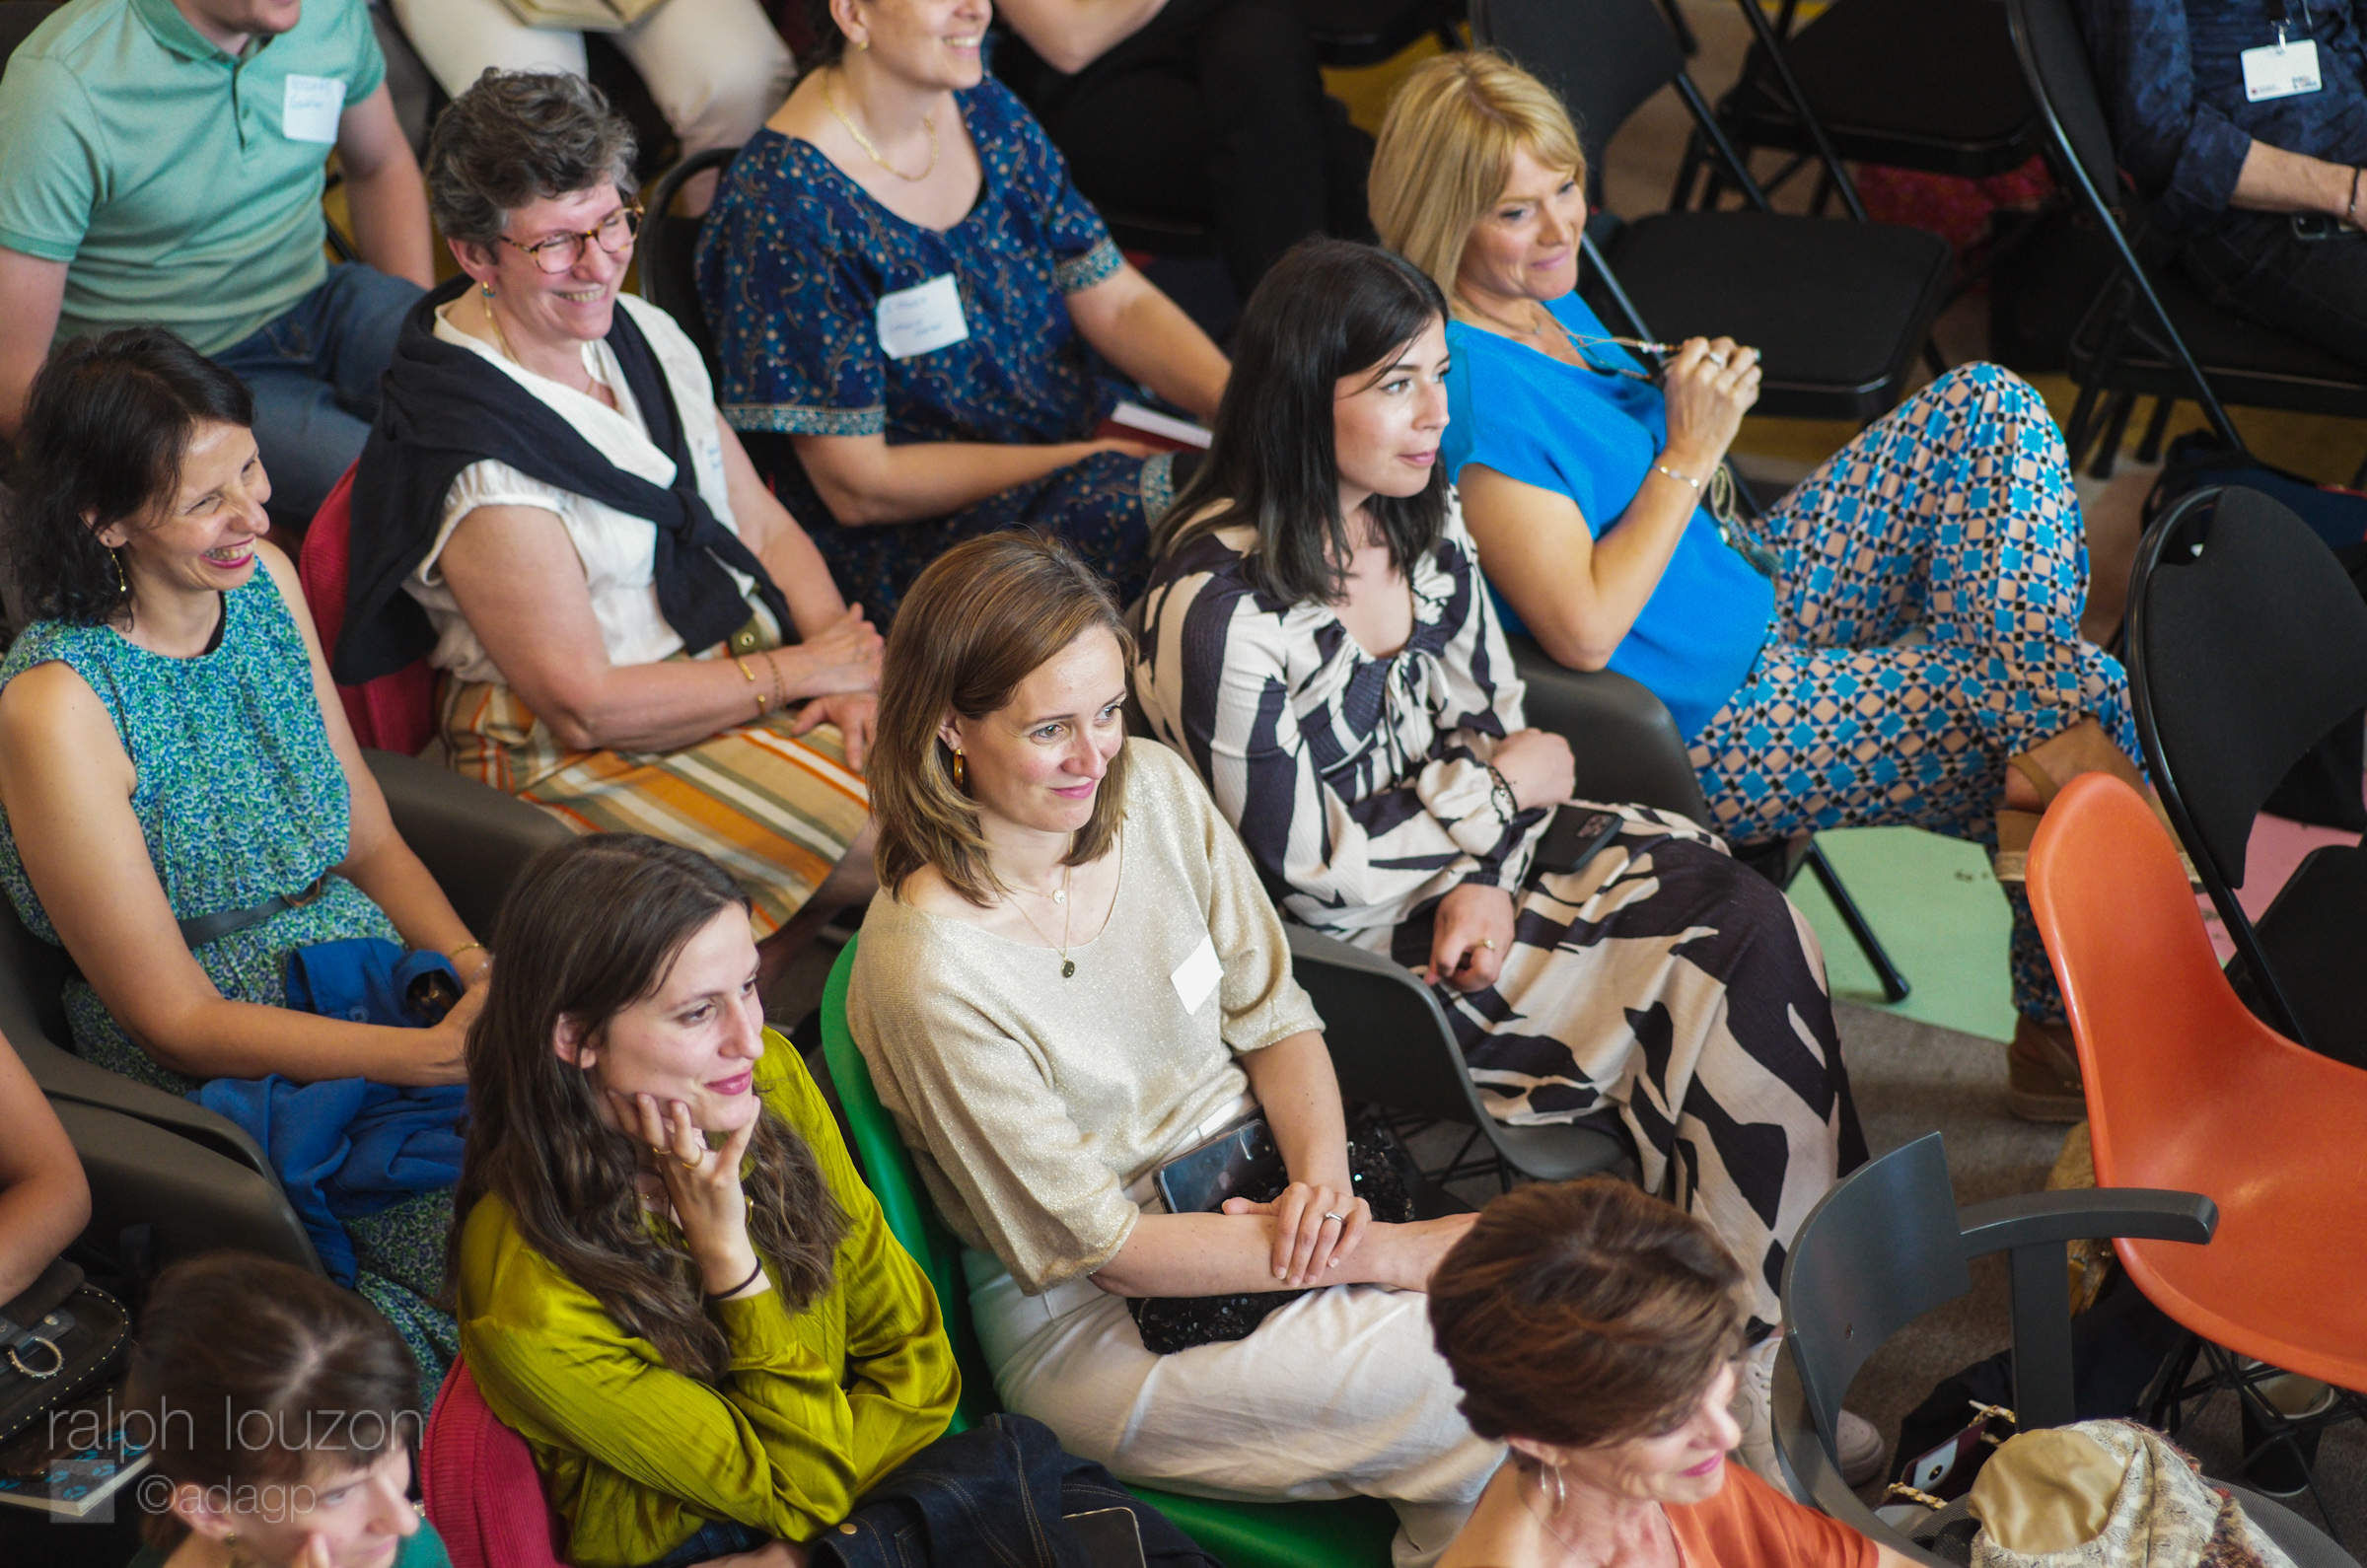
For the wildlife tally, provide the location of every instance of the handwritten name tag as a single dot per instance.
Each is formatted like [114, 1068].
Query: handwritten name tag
[1198, 975]
[309, 113]
[917, 320]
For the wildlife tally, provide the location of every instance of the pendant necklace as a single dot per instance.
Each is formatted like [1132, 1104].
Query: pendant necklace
[1069, 965]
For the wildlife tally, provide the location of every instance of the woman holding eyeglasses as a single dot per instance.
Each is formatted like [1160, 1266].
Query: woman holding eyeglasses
[1900, 645]
[633, 632]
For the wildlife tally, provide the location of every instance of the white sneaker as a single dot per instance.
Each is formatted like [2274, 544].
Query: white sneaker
[1861, 1446]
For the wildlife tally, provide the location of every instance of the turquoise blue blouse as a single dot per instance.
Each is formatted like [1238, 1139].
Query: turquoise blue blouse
[1593, 436]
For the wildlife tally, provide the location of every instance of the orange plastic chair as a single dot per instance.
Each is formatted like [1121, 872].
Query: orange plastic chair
[2187, 1090]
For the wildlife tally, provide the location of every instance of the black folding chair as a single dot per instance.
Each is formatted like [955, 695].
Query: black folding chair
[1930, 85]
[2248, 644]
[1348, 33]
[2141, 335]
[1888, 1244]
[1837, 311]
[669, 249]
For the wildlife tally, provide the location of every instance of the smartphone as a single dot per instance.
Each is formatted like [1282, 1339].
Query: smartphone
[1239, 1163]
[1112, 1537]
[1573, 837]
[2319, 226]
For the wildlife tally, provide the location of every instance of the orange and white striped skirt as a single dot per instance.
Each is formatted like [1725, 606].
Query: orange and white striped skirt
[775, 811]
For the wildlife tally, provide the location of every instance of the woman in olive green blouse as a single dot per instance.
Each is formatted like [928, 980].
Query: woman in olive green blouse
[670, 1280]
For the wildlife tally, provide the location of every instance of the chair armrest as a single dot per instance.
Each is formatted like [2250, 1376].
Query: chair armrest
[67, 1078]
[197, 1200]
[1389, 1038]
[1626, 745]
[2037, 1217]
[472, 839]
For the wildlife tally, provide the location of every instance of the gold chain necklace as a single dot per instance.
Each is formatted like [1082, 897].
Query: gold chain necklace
[829, 96]
[1069, 965]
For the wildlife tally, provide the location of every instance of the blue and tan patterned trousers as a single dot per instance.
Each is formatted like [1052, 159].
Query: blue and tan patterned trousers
[1927, 628]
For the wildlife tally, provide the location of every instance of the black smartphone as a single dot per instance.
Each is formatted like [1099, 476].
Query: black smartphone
[1239, 1163]
[2319, 226]
[1573, 837]
[1112, 1537]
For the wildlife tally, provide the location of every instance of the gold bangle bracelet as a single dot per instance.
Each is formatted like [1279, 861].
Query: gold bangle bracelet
[750, 676]
[466, 946]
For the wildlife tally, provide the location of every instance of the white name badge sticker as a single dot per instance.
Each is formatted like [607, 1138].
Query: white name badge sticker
[918, 319]
[2280, 70]
[1198, 975]
[309, 113]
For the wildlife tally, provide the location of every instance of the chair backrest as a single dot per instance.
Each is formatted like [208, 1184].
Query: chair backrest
[1621, 736]
[888, 1169]
[478, 1477]
[1880, 1250]
[395, 712]
[2246, 644]
[668, 252]
[1603, 57]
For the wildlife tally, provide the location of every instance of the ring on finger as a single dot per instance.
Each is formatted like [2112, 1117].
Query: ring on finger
[1718, 360]
[1341, 1218]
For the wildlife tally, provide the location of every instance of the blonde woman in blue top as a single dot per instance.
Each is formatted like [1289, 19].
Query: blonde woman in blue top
[1904, 649]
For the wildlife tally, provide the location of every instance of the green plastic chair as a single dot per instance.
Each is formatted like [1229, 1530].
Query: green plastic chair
[1354, 1532]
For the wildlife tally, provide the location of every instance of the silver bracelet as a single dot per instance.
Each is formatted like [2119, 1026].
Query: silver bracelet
[1686, 478]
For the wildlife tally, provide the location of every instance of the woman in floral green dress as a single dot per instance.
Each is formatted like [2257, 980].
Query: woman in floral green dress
[171, 749]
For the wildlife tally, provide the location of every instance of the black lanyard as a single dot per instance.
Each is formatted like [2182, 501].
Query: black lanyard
[2280, 14]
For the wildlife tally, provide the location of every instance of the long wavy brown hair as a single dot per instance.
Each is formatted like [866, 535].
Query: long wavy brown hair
[591, 927]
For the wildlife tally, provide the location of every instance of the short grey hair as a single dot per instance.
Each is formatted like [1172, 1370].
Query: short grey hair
[516, 136]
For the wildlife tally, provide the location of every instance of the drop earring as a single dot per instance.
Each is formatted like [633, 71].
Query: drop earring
[122, 583]
[1562, 1494]
[961, 772]
[485, 289]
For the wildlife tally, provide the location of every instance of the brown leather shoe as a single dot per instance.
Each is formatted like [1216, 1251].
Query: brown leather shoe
[2042, 1080]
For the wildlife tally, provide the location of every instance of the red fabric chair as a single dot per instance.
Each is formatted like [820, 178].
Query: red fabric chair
[483, 1496]
[394, 713]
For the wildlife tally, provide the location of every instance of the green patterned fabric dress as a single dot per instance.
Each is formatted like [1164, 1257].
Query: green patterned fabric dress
[241, 798]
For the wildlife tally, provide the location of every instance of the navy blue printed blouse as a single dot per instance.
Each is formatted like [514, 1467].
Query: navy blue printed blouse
[792, 264]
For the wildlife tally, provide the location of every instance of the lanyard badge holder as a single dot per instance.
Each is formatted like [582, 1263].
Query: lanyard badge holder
[2287, 67]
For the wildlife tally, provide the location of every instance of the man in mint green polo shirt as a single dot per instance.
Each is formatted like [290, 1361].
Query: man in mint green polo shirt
[162, 162]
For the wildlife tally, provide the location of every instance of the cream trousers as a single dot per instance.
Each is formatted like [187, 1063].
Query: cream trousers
[1339, 1394]
[716, 68]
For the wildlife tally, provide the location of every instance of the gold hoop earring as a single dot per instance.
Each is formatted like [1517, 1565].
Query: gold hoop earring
[961, 772]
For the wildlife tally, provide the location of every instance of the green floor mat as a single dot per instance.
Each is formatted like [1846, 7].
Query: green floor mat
[1935, 907]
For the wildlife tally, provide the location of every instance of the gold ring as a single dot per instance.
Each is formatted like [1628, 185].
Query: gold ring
[690, 1161]
[1488, 943]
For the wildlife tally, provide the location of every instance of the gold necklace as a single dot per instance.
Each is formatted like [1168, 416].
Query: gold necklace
[1069, 965]
[829, 96]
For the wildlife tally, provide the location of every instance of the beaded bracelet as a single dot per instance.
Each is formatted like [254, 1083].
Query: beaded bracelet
[780, 698]
[1687, 479]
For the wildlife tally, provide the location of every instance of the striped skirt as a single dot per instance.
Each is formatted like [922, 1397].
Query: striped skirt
[775, 811]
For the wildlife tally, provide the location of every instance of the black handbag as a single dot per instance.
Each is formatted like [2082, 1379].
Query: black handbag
[1169, 1324]
[57, 1338]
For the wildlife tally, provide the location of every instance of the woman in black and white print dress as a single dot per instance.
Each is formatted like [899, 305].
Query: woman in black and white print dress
[1350, 737]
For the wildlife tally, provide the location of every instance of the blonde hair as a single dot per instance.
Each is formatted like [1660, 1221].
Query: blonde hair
[1446, 152]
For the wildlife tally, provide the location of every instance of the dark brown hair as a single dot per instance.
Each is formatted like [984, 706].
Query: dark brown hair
[980, 621]
[245, 1368]
[1584, 1313]
[1327, 310]
[106, 424]
[591, 927]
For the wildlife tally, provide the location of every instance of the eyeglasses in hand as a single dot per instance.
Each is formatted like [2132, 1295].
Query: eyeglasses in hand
[560, 252]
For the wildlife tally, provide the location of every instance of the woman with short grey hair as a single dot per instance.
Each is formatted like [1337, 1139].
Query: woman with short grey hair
[631, 632]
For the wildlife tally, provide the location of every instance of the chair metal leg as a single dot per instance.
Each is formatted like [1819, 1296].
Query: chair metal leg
[2116, 430]
[2149, 450]
[1894, 983]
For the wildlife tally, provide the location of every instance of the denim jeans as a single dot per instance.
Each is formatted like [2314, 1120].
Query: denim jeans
[2255, 267]
[314, 372]
[717, 1537]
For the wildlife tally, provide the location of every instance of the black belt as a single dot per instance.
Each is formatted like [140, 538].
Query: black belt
[198, 930]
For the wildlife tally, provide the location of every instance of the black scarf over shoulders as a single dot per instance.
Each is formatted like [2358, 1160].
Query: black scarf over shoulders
[442, 407]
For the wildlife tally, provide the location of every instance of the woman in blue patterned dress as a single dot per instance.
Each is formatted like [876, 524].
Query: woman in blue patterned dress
[903, 281]
[170, 752]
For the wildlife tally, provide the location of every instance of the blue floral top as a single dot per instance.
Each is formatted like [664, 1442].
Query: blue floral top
[237, 791]
[793, 261]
